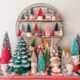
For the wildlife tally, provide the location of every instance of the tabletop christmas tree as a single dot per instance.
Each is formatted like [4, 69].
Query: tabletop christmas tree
[5, 57]
[75, 55]
[22, 58]
[6, 41]
[29, 34]
[47, 58]
[41, 63]
[40, 32]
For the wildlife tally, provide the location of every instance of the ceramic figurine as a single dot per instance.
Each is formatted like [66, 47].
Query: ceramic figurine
[55, 63]
[40, 14]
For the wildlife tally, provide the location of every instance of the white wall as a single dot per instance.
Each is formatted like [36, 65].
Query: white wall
[10, 9]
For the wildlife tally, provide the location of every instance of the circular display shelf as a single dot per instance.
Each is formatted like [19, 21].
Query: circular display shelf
[50, 17]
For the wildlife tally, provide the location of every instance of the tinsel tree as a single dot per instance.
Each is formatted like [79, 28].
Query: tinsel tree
[74, 48]
[78, 42]
[47, 58]
[21, 61]
[56, 28]
[41, 62]
[6, 41]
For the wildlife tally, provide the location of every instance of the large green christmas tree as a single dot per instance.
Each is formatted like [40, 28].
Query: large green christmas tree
[47, 58]
[41, 62]
[22, 58]
[74, 48]
[6, 41]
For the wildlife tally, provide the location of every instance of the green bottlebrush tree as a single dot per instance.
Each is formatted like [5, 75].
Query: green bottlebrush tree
[41, 62]
[28, 28]
[32, 11]
[47, 58]
[74, 48]
[56, 28]
[22, 17]
[6, 41]
[21, 61]
[33, 42]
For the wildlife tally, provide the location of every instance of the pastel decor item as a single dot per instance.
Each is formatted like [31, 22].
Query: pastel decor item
[36, 30]
[29, 34]
[40, 14]
[55, 63]
[5, 57]
[41, 63]
[21, 61]
[75, 55]
[19, 32]
[32, 14]
[48, 15]
[33, 63]
[47, 31]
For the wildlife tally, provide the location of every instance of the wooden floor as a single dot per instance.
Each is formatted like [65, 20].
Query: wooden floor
[38, 78]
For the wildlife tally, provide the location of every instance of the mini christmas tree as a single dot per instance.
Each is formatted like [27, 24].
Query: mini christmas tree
[33, 42]
[40, 32]
[19, 32]
[36, 28]
[47, 58]
[32, 11]
[6, 41]
[31, 48]
[40, 13]
[5, 57]
[23, 17]
[56, 28]
[52, 34]
[78, 42]
[23, 28]
[74, 48]
[41, 62]
[22, 58]
[28, 28]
